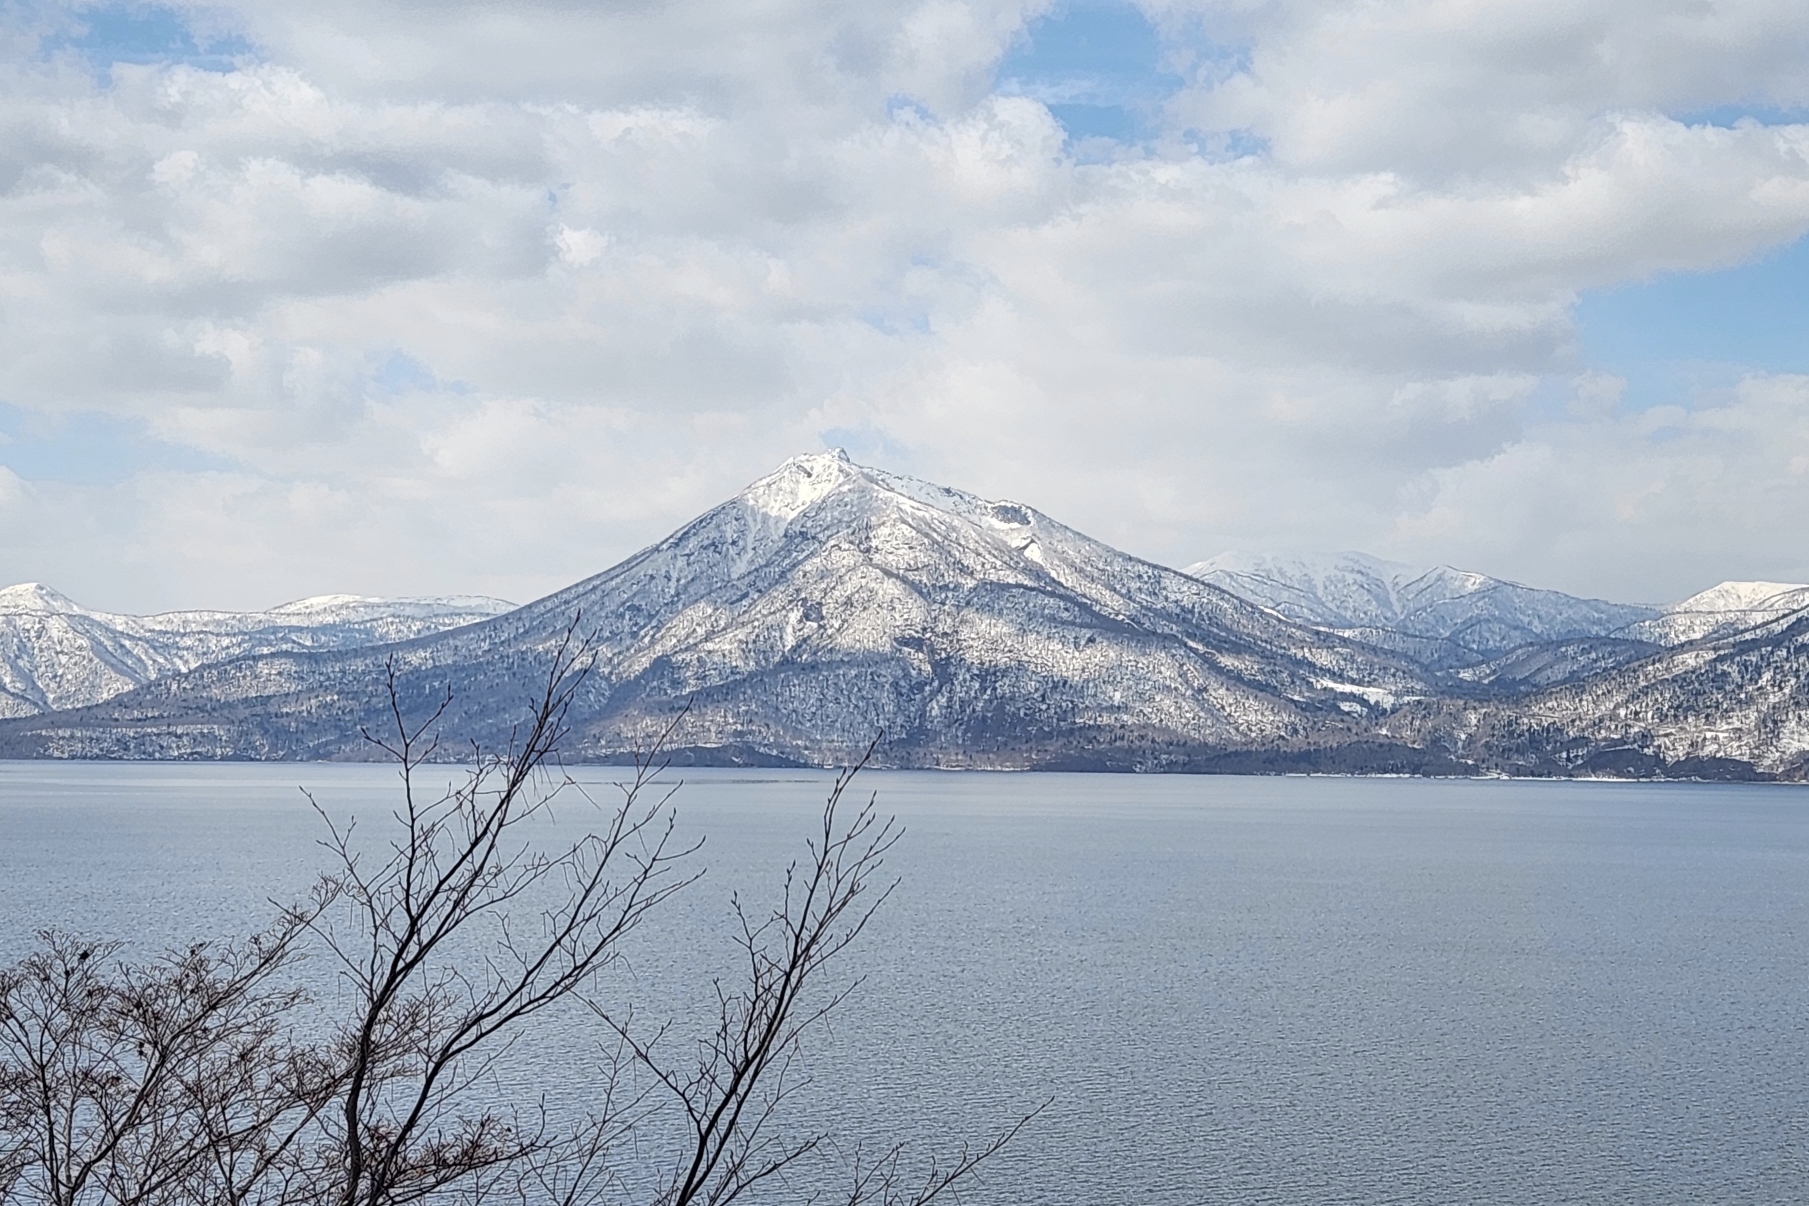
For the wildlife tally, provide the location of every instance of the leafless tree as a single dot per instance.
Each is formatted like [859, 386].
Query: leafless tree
[441, 978]
[210, 1077]
[730, 1092]
[174, 1081]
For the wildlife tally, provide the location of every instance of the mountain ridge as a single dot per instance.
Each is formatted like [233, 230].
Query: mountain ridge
[1475, 613]
[829, 602]
[824, 604]
[56, 654]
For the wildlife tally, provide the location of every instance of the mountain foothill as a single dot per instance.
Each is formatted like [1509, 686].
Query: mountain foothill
[830, 606]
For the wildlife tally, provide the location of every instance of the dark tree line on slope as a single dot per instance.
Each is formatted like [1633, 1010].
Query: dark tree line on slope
[207, 1078]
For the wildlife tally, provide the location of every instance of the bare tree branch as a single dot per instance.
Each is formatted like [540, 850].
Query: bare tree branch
[187, 1080]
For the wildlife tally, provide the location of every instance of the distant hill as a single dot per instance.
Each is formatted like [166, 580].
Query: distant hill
[1733, 706]
[1370, 598]
[1450, 617]
[1722, 610]
[56, 654]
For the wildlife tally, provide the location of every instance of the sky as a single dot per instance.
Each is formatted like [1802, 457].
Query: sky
[399, 298]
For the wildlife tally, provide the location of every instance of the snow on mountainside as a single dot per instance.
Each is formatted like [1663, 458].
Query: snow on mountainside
[829, 603]
[1549, 663]
[1739, 596]
[1723, 707]
[1364, 595]
[56, 654]
[826, 604]
[35, 597]
[1722, 611]
[1714, 686]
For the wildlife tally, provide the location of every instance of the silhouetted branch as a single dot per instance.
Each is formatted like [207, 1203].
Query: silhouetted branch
[182, 1081]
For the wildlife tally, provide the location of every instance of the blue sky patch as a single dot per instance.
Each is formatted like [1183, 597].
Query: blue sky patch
[89, 448]
[1222, 145]
[399, 373]
[146, 34]
[1729, 116]
[900, 106]
[1686, 332]
[1098, 67]
[898, 320]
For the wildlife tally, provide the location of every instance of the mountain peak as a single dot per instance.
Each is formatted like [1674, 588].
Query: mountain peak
[1304, 566]
[789, 490]
[1723, 610]
[35, 598]
[1737, 596]
[798, 484]
[324, 603]
[824, 604]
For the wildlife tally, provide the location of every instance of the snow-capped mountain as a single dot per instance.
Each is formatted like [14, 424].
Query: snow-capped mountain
[1381, 601]
[1716, 685]
[1722, 611]
[826, 604]
[1733, 706]
[56, 654]
[829, 603]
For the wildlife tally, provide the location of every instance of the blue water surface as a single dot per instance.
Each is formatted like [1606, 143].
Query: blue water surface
[1230, 990]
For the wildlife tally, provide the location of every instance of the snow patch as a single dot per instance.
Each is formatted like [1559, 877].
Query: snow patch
[34, 598]
[1476, 615]
[1723, 610]
[1737, 596]
[800, 482]
[1378, 696]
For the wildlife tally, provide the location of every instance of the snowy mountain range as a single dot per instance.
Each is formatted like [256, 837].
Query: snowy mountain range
[1366, 597]
[1716, 685]
[1723, 610]
[56, 654]
[1488, 629]
[1734, 706]
[830, 603]
[826, 604]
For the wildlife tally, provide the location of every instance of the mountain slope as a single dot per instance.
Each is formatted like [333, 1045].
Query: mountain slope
[1715, 686]
[1723, 610]
[1364, 596]
[1728, 707]
[1550, 663]
[824, 605]
[55, 654]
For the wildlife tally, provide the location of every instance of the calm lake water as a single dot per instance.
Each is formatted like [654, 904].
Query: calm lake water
[1233, 990]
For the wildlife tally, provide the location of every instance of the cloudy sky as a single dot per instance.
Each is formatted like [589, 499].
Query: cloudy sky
[405, 298]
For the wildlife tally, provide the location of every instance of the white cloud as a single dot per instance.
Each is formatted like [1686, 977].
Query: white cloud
[1652, 499]
[1481, 89]
[485, 298]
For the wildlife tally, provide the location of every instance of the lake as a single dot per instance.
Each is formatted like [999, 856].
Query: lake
[1231, 990]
